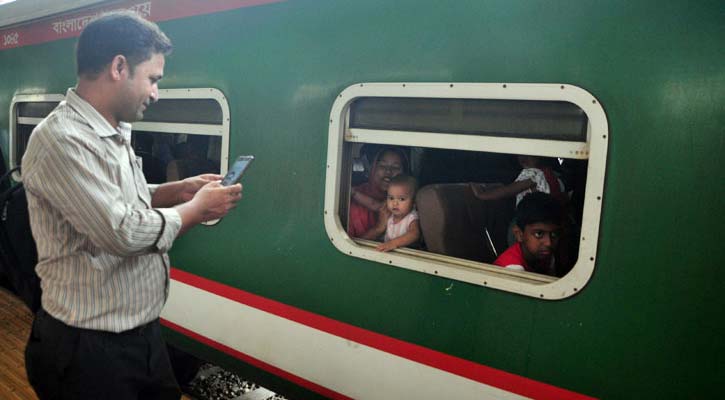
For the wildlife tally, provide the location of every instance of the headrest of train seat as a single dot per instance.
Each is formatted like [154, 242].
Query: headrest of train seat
[446, 224]
[174, 171]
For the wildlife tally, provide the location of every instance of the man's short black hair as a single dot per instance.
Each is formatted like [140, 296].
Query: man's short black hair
[538, 207]
[120, 32]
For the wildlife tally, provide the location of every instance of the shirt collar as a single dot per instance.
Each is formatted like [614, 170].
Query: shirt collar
[99, 124]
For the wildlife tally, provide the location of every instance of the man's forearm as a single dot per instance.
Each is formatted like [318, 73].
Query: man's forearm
[167, 195]
[190, 216]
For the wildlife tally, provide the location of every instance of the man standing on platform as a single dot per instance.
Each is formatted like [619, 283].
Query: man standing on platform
[103, 232]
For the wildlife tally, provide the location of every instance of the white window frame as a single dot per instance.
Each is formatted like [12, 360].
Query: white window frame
[529, 284]
[15, 121]
[165, 127]
[194, 129]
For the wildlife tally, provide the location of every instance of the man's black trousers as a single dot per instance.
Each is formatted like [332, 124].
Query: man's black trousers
[65, 362]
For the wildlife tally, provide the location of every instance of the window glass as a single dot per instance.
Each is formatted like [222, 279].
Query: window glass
[22, 132]
[188, 111]
[173, 156]
[553, 120]
[35, 109]
[26, 111]
[454, 222]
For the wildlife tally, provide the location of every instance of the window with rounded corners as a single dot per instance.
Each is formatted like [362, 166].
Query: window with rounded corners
[26, 111]
[184, 134]
[453, 121]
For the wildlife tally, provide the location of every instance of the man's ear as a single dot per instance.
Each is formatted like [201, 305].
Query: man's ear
[119, 67]
[518, 233]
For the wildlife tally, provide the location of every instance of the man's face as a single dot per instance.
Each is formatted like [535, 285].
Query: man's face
[399, 200]
[388, 166]
[140, 89]
[538, 241]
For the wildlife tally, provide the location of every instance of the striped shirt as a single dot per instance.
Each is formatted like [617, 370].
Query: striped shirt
[101, 247]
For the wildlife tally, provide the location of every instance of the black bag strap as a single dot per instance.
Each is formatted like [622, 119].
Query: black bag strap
[7, 174]
[9, 192]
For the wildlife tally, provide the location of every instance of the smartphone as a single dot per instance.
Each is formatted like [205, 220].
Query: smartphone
[237, 170]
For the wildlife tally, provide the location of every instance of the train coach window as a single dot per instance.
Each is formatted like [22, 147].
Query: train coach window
[26, 111]
[453, 134]
[184, 134]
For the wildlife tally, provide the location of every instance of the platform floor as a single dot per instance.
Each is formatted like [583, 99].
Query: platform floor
[15, 321]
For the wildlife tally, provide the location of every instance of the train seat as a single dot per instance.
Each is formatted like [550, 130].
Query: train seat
[445, 223]
[493, 217]
[453, 221]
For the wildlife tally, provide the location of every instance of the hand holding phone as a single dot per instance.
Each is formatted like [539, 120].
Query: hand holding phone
[237, 170]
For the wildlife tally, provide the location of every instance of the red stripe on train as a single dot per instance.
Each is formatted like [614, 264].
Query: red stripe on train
[70, 24]
[458, 366]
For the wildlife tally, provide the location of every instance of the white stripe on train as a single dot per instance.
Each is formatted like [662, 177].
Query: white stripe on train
[346, 367]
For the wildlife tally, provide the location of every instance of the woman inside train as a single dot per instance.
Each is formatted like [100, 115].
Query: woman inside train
[367, 200]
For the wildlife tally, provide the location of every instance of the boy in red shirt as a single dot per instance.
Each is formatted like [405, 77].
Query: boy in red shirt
[537, 230]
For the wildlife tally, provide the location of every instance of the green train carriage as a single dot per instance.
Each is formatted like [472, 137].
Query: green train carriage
[632, 91]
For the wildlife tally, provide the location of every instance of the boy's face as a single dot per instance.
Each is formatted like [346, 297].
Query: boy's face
[538, 241]
[399, 200]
